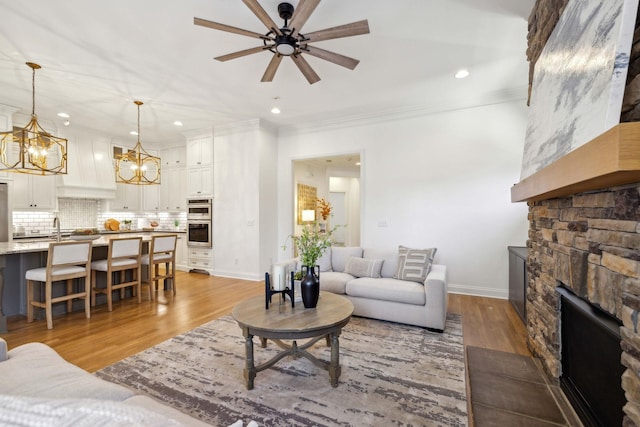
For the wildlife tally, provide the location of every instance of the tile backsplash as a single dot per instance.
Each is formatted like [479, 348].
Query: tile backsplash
[87, 213]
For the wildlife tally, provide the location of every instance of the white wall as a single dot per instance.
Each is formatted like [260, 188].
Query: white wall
[441, 180]
[244, 239]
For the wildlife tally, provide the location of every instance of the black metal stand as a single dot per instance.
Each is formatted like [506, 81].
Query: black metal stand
[269, 291]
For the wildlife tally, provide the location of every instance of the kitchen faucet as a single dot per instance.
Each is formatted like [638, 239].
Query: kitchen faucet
[56, 223]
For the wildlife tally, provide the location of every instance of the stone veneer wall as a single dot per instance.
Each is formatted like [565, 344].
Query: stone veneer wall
[591, 243]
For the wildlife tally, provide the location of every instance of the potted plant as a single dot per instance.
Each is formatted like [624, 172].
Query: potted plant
[310, 245]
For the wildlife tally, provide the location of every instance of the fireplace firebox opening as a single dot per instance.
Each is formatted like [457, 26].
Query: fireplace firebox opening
[590, 357]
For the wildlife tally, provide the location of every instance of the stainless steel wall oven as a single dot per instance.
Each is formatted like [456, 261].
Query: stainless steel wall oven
[199, 228]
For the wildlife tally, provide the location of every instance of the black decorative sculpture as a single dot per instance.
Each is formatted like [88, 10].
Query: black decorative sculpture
[269, 291]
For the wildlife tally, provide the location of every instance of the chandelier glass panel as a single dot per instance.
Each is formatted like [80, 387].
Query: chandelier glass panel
[137, 166]
[32, 149]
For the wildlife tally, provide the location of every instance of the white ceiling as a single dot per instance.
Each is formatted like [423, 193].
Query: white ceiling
[99, 56]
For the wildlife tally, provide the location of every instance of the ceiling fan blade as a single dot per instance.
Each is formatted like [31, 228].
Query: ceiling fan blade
[228, 28]
[306, 69]
[336, 58]
[346, 30]
[241, 53]
[262, 15]
[272, 68]
[300, 15]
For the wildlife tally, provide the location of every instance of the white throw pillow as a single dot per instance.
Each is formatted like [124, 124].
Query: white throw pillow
[363, 267]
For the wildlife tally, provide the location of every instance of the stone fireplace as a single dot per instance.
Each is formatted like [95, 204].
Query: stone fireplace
[584, 234]
[590, 243]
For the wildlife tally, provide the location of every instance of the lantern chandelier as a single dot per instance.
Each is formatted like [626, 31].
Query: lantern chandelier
[32, 149]
[137, 166]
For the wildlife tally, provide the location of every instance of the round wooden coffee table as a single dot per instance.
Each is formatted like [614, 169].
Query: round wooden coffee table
[282, 322]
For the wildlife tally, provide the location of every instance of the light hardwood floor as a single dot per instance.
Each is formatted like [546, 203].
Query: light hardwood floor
[131, 327]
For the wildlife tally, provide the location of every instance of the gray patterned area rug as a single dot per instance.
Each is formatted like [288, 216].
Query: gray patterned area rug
[392, 375]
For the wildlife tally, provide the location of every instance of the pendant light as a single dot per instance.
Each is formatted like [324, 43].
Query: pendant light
[32, 149]
[137, 166]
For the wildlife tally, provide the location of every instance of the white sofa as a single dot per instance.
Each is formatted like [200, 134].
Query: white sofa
[38, 387]
[374, 290]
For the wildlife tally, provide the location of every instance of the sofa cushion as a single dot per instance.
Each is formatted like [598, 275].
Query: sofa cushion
[414, 264]
[38, 411]
[386, 289]
[325, 260]
[334, 281]
[340, 255]
[363, 267]
[390, 257]
[36, 370]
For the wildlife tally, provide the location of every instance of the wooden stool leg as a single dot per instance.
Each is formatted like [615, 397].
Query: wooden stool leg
[137, 288]
[173, 277]
[109, 291]
[48, 305]
[93, 289]
[30, 293]
[122, 278]
[87, 297]
[69, 292]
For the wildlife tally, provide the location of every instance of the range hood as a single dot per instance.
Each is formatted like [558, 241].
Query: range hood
[90, 170]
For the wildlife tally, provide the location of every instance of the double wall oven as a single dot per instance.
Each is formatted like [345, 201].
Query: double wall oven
[199, 216]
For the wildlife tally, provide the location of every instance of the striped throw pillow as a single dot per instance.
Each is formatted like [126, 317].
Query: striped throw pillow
[414, 264]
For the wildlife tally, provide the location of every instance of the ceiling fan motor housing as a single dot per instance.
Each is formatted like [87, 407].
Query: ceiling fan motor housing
[285, 10]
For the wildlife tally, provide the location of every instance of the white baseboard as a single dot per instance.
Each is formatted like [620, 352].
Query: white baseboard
[238, 275]
[478, 291]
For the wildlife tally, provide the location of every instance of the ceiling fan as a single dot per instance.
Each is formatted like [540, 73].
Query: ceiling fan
[288, 40]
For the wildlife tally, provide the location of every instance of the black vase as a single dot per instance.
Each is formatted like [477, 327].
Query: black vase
[310, 285]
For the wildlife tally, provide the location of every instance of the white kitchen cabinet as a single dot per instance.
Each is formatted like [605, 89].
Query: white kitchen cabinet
[200, 182]
[201, 258]
[127, 198]
[174, 157]
[172, 191]
[151, 197]
[182, 257]
[200, 151]
[34, 192]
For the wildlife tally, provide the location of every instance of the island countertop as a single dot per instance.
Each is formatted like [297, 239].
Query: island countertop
[42, 245]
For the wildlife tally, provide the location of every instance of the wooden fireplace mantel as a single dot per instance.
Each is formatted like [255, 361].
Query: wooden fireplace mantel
[608, 160]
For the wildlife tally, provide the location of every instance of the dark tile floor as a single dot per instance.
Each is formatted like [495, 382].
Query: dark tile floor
[510, 390]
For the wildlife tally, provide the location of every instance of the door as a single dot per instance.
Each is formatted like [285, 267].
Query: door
[338, 217]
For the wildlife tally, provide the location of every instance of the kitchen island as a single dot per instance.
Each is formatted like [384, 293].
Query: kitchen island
[18, 256]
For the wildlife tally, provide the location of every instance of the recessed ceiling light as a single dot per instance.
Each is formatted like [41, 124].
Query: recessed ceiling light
[63, 115]
[275, 110]
[177, 123]
[133, 132]
[461, 74]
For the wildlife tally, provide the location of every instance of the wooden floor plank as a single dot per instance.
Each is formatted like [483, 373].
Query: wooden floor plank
[130, 328]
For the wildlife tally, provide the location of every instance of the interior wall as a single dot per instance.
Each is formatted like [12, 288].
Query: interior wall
[440, 180]
[244, 202]
[351, 187]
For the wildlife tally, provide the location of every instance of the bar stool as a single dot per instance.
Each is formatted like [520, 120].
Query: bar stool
[123, 255]
[65, 261]
[162, 250]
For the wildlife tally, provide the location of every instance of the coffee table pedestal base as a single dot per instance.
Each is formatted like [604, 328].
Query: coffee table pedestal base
[295, 351]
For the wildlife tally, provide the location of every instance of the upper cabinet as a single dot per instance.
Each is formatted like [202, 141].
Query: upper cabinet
[33, 192]
[174, 157]
[200, 166]
[200, 151]
[127, 198]
[172, 190]
[90, 172]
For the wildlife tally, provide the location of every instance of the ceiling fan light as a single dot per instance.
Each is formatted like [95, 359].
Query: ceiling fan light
[285, 49]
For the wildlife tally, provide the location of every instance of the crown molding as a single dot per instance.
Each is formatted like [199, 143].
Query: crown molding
[497, 97]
